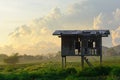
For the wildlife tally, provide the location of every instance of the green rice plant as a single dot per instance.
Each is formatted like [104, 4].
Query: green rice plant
[24, 76]
[71, 77]
[2, 77]
[88, 72]
[54, 71]
[112, 78]
[71, 71]
[10, 76]
[103, 70]
[115, 71]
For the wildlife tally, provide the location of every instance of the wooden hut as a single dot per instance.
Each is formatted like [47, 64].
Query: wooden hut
[81, 43]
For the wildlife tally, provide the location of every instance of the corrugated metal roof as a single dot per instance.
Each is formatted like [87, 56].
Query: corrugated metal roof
[103, 33]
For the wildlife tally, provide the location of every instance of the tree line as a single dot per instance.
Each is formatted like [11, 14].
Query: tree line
[17, 58]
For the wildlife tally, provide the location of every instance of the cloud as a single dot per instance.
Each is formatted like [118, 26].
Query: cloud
[116, 36]
[109, 21]
[117, 14]
[116, 32]
[36, 37]
[97, 21]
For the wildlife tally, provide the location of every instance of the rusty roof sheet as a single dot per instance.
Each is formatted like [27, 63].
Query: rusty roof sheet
[103, 33]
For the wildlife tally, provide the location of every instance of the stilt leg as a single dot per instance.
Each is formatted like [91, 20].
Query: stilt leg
[82, 61]
[101, 60]
[63, 61]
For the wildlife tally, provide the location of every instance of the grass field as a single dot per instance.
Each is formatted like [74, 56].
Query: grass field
[51, 70]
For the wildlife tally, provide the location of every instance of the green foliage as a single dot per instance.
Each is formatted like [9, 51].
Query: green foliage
[53, 71]
[11, 76]
[71, 71]
[103, 70]
[88, 72]
[113, 78]
[116, 71]
[2, 77]
[71, 77]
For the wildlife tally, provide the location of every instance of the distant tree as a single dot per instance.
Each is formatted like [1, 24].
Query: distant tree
[39, 57]
[3, 56]
[12, 59]
[111, 52]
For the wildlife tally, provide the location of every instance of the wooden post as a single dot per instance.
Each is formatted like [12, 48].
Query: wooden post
[63, 61]
[82, 62]
[100, 60]
[100, 51]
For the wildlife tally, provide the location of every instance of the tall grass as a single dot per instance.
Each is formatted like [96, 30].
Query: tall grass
[53, 71]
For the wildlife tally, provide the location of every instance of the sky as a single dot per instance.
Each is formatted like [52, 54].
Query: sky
[14, 13]
[26, 26]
